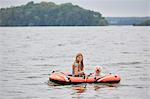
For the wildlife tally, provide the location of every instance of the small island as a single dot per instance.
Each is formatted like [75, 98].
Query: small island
[50, 14]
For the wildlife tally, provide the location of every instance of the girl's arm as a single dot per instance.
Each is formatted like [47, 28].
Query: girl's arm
[74, 70]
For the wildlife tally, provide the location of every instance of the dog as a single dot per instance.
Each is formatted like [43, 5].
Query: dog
[98, 71]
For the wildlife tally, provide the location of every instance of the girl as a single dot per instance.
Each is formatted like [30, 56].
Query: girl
[78, 66]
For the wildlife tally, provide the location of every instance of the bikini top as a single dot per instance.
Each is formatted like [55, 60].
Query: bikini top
[77, 65]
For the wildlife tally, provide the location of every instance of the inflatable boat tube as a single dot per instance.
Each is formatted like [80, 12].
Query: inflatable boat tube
[64, 78]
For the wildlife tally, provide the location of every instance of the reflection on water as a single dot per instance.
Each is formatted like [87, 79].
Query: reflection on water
[81, 88]
[96, 87]
[29, 54]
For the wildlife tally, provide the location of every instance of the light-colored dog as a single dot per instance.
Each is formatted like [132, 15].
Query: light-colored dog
[98, 71]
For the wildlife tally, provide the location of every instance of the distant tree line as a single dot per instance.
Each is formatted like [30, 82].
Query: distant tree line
[50, 14]
[144, 23]
[127, 20]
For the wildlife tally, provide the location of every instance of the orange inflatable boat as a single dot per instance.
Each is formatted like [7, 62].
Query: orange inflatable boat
[64, 78]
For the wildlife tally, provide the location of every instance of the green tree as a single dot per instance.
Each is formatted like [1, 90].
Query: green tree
[50, 14]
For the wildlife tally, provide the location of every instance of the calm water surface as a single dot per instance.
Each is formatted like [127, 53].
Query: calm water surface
[29, 54]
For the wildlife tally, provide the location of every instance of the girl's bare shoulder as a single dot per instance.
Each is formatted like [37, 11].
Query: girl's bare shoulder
[73, 64]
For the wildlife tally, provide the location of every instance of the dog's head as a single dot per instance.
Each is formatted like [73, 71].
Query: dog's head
[98, 69]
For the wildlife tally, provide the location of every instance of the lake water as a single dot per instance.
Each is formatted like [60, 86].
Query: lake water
[29, 54]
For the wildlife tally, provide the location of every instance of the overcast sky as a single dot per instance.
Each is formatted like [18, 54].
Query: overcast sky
[105, 7]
